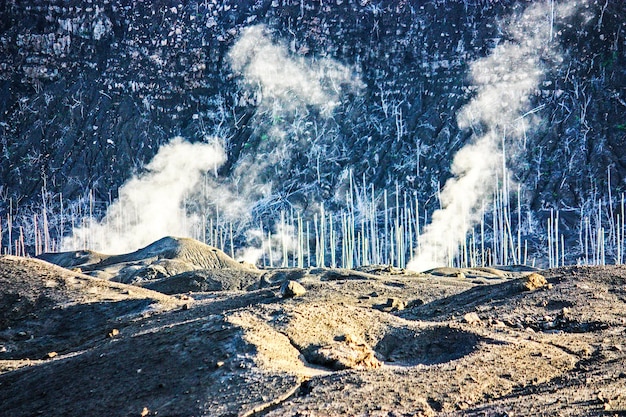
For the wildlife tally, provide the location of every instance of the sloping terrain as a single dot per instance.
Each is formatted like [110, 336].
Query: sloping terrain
[48, 310]
[375, 342]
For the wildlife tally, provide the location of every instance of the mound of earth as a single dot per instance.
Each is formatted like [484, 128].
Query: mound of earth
[367, 343]
[74, 259]
[164, 258]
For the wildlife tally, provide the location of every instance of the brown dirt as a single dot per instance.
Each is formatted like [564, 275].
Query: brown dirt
[456, 343]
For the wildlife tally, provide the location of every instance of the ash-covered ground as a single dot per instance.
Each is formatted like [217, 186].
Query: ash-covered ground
[180, 329]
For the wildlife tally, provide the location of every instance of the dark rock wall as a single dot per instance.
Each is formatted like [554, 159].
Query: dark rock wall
[89, 90]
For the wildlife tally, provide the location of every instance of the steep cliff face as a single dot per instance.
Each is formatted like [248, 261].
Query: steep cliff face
[91, 90]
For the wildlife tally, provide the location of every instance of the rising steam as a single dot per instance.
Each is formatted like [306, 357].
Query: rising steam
[285, 87]
[504, 82]
[282, 86]
[150, 206]
[285, 80]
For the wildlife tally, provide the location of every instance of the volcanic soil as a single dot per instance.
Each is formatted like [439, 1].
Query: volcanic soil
[180, 329]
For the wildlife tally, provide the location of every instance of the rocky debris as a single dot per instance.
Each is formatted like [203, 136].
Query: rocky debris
[277, 276]
[472, 319]
[291, 289]
[415, 303]
[346, 352]
[533, 281]
[393, 304]
[247, 352]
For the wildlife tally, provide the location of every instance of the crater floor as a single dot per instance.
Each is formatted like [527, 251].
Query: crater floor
[373, 342]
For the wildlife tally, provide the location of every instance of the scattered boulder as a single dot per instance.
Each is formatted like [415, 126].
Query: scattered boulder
[347, 352]
[392, 304]
[278, 276]
[472, 319]
[533, 282]
[396, 304]
[291, 289]
[415, 303]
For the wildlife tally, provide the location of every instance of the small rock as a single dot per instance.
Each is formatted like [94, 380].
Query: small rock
[184, 297]
[415, 303]
[249, 265]
[533, 281]
[346, 352]
[548, 325]
[472, 319]
[395, 304]
[113, 333]
[291, 289]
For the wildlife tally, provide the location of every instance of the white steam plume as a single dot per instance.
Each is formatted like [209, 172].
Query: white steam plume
[504, 81]
[150, 206]
[285, 87]
[287, 81]
[279, 244]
